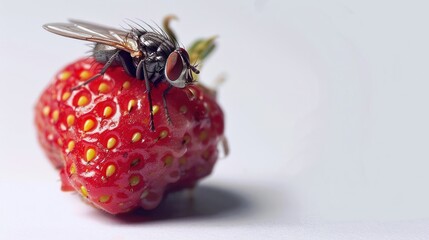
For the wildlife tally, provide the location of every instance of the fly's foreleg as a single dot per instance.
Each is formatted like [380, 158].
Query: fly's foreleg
[164, 100]
[142, 67]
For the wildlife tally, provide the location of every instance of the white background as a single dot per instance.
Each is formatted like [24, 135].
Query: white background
[327, 118]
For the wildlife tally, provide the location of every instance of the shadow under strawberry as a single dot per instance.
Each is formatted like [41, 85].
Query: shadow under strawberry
[203, 202]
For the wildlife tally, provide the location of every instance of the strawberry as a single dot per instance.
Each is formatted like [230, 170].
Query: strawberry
[99, 138]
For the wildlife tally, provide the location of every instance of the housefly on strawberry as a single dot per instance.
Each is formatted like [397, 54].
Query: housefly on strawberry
[149, 55]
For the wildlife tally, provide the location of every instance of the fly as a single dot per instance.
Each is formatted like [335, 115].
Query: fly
[151, 56]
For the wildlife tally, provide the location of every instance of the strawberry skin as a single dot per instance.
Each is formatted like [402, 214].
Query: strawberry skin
[99, 138]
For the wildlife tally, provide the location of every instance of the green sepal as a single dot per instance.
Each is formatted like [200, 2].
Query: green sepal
[201, 49]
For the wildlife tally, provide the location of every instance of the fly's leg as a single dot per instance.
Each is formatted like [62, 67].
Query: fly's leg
[127, 63]
[164, 100]
[140, 74]
[142, 67]
[102, 72]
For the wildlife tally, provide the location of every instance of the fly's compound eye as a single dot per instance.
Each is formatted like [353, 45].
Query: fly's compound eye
[174, 66]
[175, 70]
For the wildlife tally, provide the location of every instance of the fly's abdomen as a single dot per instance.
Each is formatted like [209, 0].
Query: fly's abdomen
[102, 53]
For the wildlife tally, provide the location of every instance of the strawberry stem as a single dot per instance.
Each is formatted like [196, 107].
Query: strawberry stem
[167, 28]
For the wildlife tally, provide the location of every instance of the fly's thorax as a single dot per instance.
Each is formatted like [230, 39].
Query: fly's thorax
[157, 46]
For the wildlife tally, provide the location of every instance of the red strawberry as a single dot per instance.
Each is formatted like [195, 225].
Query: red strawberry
[99, 137]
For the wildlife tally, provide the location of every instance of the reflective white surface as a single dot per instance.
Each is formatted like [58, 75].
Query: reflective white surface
[327, 118]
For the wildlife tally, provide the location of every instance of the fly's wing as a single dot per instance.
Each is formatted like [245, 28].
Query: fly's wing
[120, 39]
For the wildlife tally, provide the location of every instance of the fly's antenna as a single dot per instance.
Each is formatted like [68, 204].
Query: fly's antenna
[194, 68]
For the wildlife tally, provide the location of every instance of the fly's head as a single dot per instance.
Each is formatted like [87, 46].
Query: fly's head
[178, 69]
